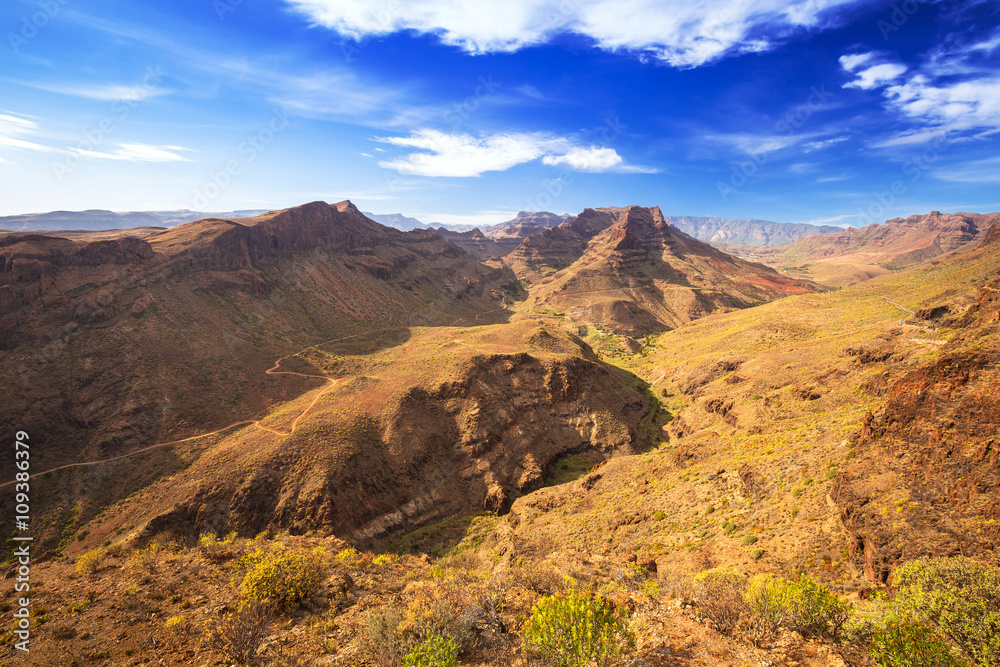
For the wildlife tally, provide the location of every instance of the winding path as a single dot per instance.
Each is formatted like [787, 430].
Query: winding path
[256, 423]
[273, 370]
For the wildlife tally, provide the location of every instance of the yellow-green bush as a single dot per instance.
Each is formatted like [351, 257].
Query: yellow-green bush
[282, 579]
[435, 651]
[907, 643]
[812, 608]
[958, 596]
[88, 563]
[719, 598]
[573, 628]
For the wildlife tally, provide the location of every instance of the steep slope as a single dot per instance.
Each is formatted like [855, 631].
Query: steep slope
[446, 422]
[835, 434]
[556, 248]
[752, 233]
[854, 255]
[114, 345]
[639, 274]
[474, 242]
[934, 445]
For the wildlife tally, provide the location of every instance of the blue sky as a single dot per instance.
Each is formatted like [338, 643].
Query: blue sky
[826, 111]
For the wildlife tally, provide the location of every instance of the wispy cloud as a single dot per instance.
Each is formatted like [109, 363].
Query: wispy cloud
[102, 92]
[137, 153]
[464, 155]
[876, 76]
[824, 143]
[954, 93]
[978, 171]
[15, 126]
[677, 33]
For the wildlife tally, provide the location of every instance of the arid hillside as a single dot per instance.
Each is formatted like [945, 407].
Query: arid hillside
[630, 271]
[114, 345]
[448, 479]
[854, 255]
[427, 426]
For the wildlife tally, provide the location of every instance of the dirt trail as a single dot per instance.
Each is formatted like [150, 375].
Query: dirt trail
[273, 370]
[256, 423]
[902, 323]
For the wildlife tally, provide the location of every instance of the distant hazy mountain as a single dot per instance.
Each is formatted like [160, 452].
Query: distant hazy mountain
[525, 224]
[396, 221]
[404, 223]
[97, 219]
[745, 232]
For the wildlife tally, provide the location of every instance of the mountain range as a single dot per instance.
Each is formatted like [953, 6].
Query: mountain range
[600, 398]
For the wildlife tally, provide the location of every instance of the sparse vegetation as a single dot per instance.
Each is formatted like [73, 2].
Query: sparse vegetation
[959, 597]
[238, 636]
[572, 629]
[281, 579]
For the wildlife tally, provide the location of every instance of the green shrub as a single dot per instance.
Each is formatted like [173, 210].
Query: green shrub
[659, 516]
[763, 594]
[283, 579]
[570, 629]
[750, 539]
[88, 564]
[719, 598]
[436, 651]
[812, 608]
[960, 597]
[801, 605]
[238, 636]
[756, 554]
[904, 643]
[385, 639]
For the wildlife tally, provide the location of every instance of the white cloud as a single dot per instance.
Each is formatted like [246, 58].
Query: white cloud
[463, 155]
[978, 171]
[13, 127]
[825, 143]
[851, 62]
[973, 103]
[756, 144]
[876, 76]
[137, 153]
[104, 93]
[678, 32]
[586, 159]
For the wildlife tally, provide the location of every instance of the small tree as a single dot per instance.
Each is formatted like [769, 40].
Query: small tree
[570, 629]
[960, 597]
[238, 636]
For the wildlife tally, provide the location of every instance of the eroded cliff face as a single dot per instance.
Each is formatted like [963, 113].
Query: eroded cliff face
[927, 478]
[114, 345]
[630, 271]
[472, 440]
